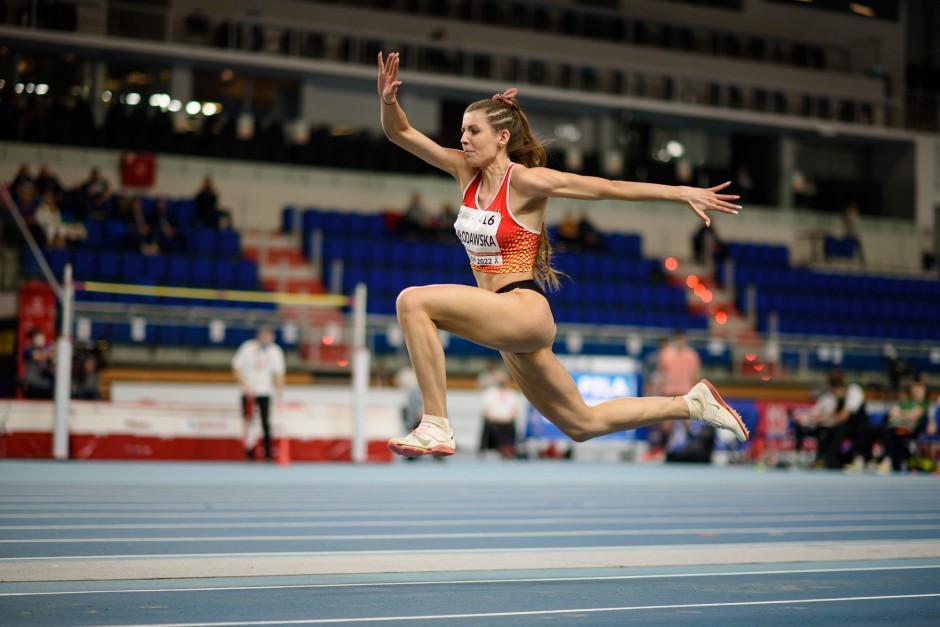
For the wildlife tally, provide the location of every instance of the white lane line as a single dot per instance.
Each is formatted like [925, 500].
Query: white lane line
[485, 522]
[584, 533]
[586, 610]
[579, 512]
[456, 582]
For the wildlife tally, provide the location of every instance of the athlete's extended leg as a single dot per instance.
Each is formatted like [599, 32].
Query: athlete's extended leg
[519, 320]
[552, 391]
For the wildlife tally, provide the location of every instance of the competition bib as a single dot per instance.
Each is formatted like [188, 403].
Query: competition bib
[476, 230]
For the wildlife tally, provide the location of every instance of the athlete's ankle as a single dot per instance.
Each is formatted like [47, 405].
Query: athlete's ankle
[438, 421]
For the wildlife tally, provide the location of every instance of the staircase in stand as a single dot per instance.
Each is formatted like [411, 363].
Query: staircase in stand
[282, 267]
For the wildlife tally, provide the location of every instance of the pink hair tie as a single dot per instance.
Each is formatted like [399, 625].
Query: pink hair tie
[507, 96]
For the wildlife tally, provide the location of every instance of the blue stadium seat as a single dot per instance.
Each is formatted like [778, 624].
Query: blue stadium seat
[178, 272]
[155, 268]
[229, 243]
[109, 265]
[202, 274]
[132, 267]
[204, 241]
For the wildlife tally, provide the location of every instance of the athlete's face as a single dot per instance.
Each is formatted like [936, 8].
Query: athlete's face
[479, 141]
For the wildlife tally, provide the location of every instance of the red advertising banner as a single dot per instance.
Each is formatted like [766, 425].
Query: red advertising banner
[138, 169]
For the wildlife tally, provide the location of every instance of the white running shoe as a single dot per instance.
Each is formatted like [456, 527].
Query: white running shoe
[429, 438]
[707, 406]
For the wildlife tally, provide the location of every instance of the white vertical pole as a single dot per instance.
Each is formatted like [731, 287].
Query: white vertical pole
[360, 376]
[63, 371]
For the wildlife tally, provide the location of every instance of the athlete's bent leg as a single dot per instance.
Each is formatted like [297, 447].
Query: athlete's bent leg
[519, 320]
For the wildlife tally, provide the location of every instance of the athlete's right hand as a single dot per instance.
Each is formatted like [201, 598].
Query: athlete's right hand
[388, 78]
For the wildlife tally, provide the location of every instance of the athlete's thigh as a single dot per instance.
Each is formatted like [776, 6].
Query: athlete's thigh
[517, 321]
[546, 383]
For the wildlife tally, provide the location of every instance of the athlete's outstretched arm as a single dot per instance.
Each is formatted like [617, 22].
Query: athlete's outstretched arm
[546, 183]
[401, 133]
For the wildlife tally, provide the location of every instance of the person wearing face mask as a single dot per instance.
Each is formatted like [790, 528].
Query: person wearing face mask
[39, 360]
[259, 366]
[500, 170]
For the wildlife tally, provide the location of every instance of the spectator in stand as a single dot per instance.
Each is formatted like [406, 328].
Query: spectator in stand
[23, 177]
[414, 223]
[56, 232]
[47, 182]
[92, 195]
[707, 246]
[142, 236]
[39, 360]
[208, 213]
[589, 235]
[259, 366]
[568, 232]
[162, 230]
[906, 421]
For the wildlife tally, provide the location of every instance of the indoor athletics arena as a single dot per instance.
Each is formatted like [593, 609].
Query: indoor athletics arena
[228, 228]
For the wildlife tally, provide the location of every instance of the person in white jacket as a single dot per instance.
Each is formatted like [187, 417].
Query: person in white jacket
[259, 366]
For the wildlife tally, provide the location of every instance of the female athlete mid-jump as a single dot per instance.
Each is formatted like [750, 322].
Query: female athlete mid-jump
[500, 168]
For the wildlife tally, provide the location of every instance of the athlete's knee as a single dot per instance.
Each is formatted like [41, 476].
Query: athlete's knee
[408, 301]
[581, 429]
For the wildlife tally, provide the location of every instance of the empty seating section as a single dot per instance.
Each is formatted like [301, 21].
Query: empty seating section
[828, 304]
[614, 287]
[204, 258]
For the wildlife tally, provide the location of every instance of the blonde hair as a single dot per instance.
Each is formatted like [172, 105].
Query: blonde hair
[523, 147]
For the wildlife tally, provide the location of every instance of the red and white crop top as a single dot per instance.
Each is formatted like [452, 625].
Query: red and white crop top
[496, 242]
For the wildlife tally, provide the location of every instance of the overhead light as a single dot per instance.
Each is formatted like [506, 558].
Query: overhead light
[30, 88]
[18, 88]
[175, 105]
[106, 96]
[862, 9]
[193, 107]
[209, 108]
[42, 89]
[133, 98]
[675, 148]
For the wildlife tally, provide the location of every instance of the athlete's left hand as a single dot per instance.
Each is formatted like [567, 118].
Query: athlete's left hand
[702, 200]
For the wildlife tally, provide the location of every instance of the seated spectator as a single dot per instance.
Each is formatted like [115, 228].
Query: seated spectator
[142, 236]
[55, 231]
[92, 195]
[414, 223]
[23, 177]
[589, 235]
[87, 385]
[906, 421]
[47, 182]
[162, 231]
[569, 233]
[838, 415]
[39, 360]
